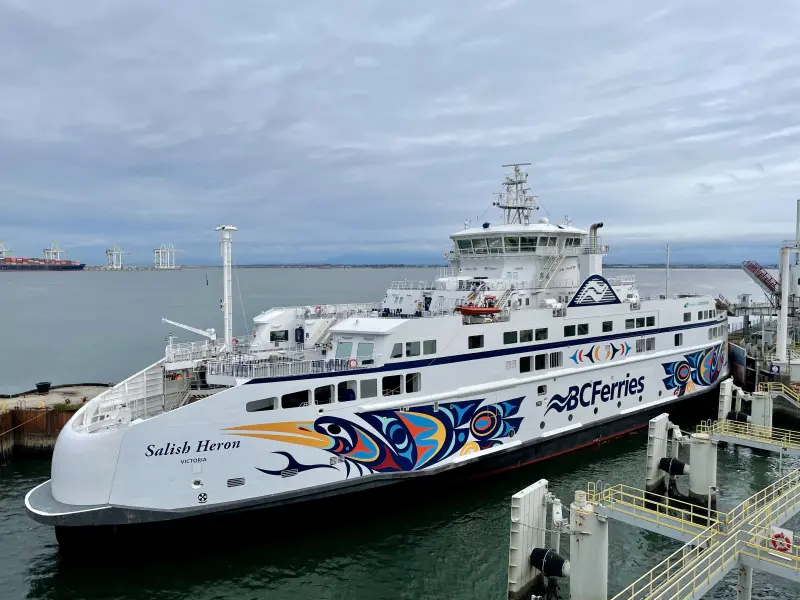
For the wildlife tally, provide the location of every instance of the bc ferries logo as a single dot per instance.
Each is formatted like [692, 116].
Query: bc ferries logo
[589, 393]
[593, 292]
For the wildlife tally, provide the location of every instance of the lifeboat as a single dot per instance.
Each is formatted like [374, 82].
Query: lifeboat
[477, 311]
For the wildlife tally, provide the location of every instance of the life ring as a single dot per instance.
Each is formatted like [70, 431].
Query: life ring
[352, 363]
[780, 542]
[318, 310]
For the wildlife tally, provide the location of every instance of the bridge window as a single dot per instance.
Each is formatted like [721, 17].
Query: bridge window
[541, 334]
[412, 348]
[413, 382]
[540, 362]
[282, 335]
[263, 404]
[525, 364]
[347, 391]
[679, 339]
[295, 399]
[392, 385]
[556, 359]
[495, 245]
[509, 337]
[397, 350]
[651, 321]
[687, 317]
[429, 347]
[569, 330]
[364, 352]
[526, 335]
[323, 395]
[608, 326]
[583, 329]
[512, 244]
[479, 245]
[474, 342]
[630, 323]
[369, 388]
[465, 246]
[553, 241]
[344, 349]
[527, 244]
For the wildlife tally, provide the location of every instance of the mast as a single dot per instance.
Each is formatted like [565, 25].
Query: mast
[227, 289]
[515, 202]
[666, 286]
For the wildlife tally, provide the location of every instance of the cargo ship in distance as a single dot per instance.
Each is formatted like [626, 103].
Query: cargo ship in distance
[52, 261]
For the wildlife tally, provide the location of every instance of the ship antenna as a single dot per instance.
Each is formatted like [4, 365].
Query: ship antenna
[516, 203]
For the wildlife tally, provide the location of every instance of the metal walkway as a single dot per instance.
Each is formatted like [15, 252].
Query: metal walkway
[717, 542]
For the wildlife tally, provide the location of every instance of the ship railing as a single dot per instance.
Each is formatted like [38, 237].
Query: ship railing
[622, 280]
[190, 351]
[407, 284]
[265, 369]
[140, 394]
[447, 272]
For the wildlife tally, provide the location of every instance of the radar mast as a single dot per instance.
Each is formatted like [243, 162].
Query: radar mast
[515, 201]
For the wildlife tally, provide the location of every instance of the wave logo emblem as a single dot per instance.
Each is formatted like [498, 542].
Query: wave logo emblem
[589, 393]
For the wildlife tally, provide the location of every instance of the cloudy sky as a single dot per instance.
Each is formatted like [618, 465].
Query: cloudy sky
[372, 129]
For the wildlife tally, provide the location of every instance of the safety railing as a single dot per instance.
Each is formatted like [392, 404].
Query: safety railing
[407, 284]
[187, 351]
[776, 387]
[757, 433]
[665, 512]
[254, 369]
[785, 487]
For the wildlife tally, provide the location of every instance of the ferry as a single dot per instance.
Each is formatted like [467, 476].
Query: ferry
[519, 350]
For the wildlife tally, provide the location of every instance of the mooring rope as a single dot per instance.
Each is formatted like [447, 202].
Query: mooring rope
[49, 410]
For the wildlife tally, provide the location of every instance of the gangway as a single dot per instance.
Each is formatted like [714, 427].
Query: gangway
[762, 277]
[777, 388]
[783, 441]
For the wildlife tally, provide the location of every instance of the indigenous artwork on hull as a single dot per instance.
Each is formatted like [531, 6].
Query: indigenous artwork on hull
[406, 440]
[700, 368]
[601, 353]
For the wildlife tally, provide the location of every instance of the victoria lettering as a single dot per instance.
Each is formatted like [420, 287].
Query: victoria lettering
[185, 448]
[589, 393]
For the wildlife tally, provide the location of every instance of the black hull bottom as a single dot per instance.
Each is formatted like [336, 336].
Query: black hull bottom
[320, 510]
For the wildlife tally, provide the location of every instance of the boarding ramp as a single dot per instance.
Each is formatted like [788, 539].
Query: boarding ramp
[783, 441]
[780, 390]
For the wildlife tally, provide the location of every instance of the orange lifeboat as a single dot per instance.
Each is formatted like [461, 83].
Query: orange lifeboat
[476, 311]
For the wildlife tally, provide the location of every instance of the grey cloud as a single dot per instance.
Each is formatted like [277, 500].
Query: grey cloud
[360, 127]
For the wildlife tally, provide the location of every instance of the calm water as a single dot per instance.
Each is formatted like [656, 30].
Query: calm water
[454, 544]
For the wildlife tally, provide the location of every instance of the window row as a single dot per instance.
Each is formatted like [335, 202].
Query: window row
[645, 344]
[499, 245]
[364, 350]
[716, 332]
[640, 322]
[413, 348]
[582, 329]
[540, 362]
[345, 391]
[704, 314]
[525, 335]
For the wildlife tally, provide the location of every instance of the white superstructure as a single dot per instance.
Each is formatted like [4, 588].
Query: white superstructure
[520, 349]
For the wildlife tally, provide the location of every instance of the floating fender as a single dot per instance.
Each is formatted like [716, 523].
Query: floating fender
[739, 417]
[673, 466]
[549, 563]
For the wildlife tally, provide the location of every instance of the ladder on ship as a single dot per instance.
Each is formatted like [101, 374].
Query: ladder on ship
[549, 269]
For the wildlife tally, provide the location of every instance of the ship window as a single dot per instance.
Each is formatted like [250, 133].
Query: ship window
[496, 245]
[583, 329]
[294, 399]
[263, 404]
[700, 315]
[679, 339]
[392, 385]
[527, 301]
[556, 359]
[412, 348]
[509, 337]
[608, 326]
[512, 244]
[553, 241]
[527, 244]
[344, 349]
[526, 335]
[650, 344]
[640, 322]
[429, 347]
[369, 388]
[687, 317]
[364, 350]
[541, 390]
[651, 321]
[569, 330]
[540, 362]
[282, 335]
[629, 323]
[525, 364]
[475, 341]
[347, 391]
[640, 345]
[397, 350]
[479, 245]
[413, 382]
[465, 246]
[323, 395]
[541, 334]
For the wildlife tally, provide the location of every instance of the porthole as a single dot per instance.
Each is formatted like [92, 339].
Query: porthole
[541, 425]
[197, 484]
[619, 404]
[640, 398]
[595, 410]
[569, 418]
[659, 392]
